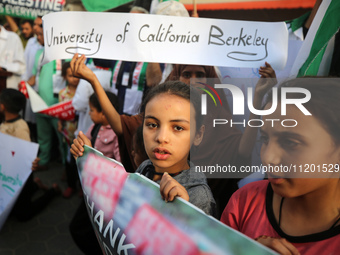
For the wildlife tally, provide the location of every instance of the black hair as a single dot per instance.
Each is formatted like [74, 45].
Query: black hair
[178, 69]
[26, 21]
[324, 103]
[112, 97]
[64, 68]
[13, 100]
[180, 89]
[139, 142]
[105, 63]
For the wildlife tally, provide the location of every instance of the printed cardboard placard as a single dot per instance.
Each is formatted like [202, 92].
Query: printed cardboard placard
[130, 217]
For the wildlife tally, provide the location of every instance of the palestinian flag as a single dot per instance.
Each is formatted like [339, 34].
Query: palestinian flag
[103, 5]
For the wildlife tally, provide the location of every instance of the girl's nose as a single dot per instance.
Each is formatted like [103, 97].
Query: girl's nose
[271, 154]
[162, 135]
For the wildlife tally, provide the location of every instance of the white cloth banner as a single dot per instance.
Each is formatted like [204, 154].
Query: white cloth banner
[165, 39]
[16, 157]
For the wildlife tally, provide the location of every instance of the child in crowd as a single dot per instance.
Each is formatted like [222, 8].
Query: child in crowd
[67, 128]
[106, 140]
[11, 103]
[296, 212]
[169, 131]
[168, 137]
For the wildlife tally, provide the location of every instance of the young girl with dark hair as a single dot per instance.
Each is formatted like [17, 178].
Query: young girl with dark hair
[169, 131]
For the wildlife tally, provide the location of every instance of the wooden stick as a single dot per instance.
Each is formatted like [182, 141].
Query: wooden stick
[195, 8]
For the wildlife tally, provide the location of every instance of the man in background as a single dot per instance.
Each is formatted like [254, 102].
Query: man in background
[26, 31]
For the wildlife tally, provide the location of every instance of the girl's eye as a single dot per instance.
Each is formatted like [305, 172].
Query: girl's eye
[178, 128]
[288, 143]
[151, 125]
[200, 75]
[186, 75]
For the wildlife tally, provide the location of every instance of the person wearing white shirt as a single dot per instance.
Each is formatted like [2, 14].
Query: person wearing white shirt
[31, 49]
[29, 54]
[11, 56]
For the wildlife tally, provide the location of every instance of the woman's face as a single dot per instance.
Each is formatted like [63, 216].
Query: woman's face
[196, 73]
[307, 151]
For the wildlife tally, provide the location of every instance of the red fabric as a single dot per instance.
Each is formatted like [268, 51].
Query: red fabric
[246, 212]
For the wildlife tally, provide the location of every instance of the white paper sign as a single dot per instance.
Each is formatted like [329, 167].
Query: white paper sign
[165, 39]
[16, 157]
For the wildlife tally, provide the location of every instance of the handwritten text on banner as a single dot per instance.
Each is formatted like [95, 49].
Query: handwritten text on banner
[165, 39]
[16, 157]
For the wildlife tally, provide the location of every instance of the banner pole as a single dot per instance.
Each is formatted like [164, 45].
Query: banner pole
[194, 13]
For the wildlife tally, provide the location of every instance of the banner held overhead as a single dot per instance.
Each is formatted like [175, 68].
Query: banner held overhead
[164, 39]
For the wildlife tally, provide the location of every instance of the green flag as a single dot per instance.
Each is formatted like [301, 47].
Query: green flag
[30, 9]
[103, 5]
[327, 29]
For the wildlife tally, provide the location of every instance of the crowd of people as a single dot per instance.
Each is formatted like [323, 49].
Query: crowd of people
[147, 116]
